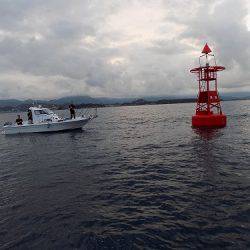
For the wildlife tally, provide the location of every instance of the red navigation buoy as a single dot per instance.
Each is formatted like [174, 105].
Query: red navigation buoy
[208, 109]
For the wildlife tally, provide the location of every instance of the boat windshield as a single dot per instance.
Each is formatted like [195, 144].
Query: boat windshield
[43, 112]
[48, 111]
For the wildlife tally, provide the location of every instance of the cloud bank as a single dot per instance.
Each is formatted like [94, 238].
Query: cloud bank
[118, 48]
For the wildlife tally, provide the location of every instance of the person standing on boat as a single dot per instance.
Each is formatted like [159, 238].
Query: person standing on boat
[72, 111]
[30, 119]
[19, 120]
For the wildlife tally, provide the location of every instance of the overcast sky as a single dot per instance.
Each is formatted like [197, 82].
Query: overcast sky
[119, 48]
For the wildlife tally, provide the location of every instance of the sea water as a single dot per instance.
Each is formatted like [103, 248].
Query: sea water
[135, 177]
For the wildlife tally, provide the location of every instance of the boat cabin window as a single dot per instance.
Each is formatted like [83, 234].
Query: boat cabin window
[40, 112]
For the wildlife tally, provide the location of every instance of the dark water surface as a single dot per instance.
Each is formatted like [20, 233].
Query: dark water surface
[136, 177]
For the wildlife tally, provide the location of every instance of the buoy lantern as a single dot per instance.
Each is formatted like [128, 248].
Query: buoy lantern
[208, 108]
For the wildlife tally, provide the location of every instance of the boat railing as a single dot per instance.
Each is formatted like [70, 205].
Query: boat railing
[89, 113]
[8, 123]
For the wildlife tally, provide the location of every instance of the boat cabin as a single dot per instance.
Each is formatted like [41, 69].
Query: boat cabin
[40, 114]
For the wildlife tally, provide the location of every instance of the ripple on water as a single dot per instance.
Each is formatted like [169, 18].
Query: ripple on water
[136, 177]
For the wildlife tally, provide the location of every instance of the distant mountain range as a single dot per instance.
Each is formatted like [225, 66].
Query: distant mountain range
[66, 100]
[9, 104]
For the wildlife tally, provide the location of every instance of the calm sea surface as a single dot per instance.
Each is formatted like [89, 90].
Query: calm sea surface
[134, 178]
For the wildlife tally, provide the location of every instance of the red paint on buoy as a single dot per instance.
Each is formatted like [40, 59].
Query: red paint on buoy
[208, 109]
[206, 49]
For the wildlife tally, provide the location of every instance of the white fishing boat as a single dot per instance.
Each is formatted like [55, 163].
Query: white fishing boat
[45, 120]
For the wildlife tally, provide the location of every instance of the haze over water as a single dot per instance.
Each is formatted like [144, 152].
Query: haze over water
[136, 177]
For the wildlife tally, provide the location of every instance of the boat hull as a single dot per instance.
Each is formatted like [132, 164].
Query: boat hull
[70, 124]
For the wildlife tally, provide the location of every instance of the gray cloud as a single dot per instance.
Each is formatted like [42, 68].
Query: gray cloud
[118, 48]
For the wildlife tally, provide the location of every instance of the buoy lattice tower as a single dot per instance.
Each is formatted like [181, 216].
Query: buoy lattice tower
[208, 108]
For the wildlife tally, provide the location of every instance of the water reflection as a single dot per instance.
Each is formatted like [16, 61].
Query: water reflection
[208, 133]
[206, 148]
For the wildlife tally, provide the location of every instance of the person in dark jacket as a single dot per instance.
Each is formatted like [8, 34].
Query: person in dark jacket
[19, 120]
[72, 111]
[30, 118]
